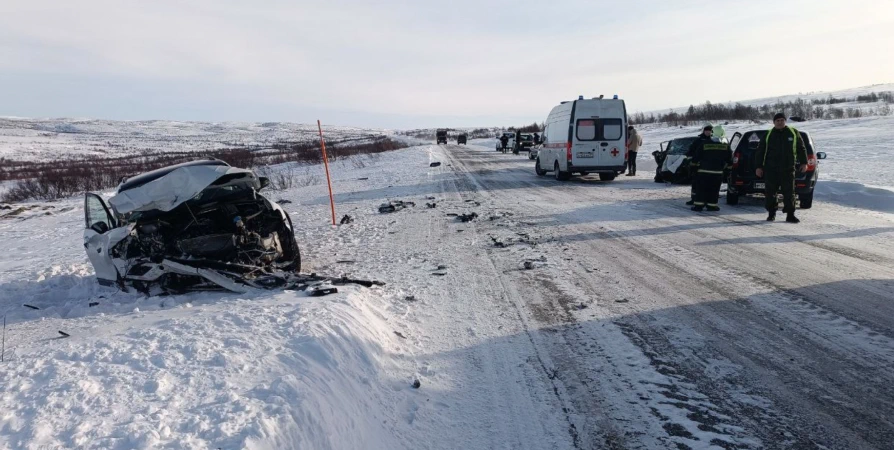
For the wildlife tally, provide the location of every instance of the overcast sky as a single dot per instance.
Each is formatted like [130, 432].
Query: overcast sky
[406, 64]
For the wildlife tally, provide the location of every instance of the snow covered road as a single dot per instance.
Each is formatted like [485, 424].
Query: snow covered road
[580, 314]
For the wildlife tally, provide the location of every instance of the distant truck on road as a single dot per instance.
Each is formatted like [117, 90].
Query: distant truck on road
[441, 136]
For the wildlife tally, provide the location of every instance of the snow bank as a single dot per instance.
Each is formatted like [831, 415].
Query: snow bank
[856, 195]
[277, 371]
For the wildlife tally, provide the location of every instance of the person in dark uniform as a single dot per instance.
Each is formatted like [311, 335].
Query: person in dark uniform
[780, 154]
[503, 141]
[712, 158]
[705, 136]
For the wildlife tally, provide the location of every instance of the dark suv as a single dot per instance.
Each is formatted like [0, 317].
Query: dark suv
[743, 181]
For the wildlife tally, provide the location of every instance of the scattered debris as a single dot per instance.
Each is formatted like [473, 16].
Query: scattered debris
[441, 267]
[5, 207]
[92, 304]
[623, 300]
[430, 198]
[581, 306]
[363, 179]
[400, 335]
[452, 214]
[467, 217]
[439, 274]
[498, 243]
[30, 306]
[530, 264]
[393, 206]
[347, 219]
[473, 201]
[431, 205]
[410, 298]
[283, 202]
[63, 334]
[434, 164]
[345, 261]
[319, 291]
[416, 384]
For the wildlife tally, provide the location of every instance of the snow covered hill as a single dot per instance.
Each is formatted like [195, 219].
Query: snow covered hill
[849, 94]
[48, 139]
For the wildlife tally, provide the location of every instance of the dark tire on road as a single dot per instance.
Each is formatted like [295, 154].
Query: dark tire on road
[607, 176]
[560, 176]
[806, 200]
[540, 172]
[732, 199]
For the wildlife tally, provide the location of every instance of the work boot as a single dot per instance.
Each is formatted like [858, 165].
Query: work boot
[697, 208]
[629, 174]
[790, 218]
[690, 203]
[772, 216]
[713, 208]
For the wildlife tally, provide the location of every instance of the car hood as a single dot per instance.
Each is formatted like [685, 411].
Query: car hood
[168, 192]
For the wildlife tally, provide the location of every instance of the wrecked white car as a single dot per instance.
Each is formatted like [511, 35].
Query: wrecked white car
[194, 226]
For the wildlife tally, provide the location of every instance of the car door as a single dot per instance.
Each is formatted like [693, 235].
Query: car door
[101, 229]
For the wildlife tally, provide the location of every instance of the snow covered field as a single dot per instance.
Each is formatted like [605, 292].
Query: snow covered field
[48, 139]
[566, 315]
[505, 321]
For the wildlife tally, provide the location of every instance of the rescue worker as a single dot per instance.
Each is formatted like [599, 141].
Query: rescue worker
[634, 141]
[537, 140]
[504, 140]
[779, 155]
[705, 136]
[712, 158]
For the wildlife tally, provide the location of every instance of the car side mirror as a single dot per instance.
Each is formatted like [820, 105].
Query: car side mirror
[820, 155]
[264, 182]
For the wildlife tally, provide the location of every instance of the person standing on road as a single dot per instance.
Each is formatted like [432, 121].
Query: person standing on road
[503, 141]
[634, 142]
[778, 157]
[712, 158]
[705, 136]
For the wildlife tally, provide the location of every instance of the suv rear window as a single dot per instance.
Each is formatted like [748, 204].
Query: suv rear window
[599, 129]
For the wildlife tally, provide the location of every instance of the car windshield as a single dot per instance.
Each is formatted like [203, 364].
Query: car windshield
[679, 146]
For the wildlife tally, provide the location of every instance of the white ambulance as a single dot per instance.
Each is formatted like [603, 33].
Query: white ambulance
[585, 136]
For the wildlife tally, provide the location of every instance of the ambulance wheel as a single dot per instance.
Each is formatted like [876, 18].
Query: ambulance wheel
[607, 176]
[732, 199]
[806, 200]
[560, 176]
[540, 172]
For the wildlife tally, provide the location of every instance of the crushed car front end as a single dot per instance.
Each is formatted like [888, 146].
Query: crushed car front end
[194, 227]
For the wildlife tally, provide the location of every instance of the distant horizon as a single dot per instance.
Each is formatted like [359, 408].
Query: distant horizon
[313, 123]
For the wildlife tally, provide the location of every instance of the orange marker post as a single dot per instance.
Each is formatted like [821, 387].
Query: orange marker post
[326, 164]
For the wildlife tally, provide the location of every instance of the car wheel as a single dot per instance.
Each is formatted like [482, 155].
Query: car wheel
[806, 200]
[732, 199]
[607, 176]
[540, 172]
[560, 176]
[583, 174]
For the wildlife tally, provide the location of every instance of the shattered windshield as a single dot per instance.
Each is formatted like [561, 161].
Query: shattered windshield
[679, 146]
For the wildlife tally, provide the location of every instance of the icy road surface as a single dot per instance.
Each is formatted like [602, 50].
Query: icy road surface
[568, 315]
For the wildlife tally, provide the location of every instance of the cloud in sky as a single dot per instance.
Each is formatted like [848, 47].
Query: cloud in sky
[404, 64]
